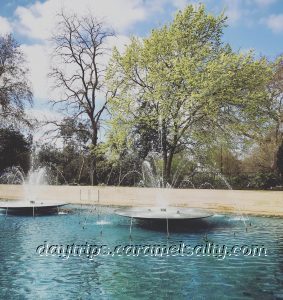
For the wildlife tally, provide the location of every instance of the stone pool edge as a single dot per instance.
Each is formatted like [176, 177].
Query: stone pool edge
[263, 203]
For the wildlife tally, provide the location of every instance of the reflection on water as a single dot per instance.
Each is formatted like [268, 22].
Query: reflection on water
[26, 275]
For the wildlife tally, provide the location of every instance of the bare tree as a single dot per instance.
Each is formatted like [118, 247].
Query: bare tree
[78, 71]
[15, 90]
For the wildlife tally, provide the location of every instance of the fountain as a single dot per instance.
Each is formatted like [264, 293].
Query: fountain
[30, 205]
[161, 212]
[158, 213]
[152, 176]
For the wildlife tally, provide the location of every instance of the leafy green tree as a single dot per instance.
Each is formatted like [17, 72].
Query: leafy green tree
[186, 84]
[14, 149]
[65, 165]
[224, 160]
[265, 154]
[263, 180]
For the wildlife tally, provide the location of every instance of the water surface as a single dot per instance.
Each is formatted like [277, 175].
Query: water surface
[24, 274]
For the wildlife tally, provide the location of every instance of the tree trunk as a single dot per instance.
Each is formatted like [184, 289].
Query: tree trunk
[164, 153]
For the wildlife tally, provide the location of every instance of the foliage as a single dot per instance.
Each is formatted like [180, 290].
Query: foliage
[66, 166]
[261, 157]
[276, 91]
[263, 180]
[15, 90]
[188, 87]
[280, 160]
[70, 165]
[222, 158]
[14, 149]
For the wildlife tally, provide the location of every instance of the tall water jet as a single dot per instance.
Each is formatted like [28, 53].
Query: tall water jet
[32, 184]
[161, 212]
[31, 203]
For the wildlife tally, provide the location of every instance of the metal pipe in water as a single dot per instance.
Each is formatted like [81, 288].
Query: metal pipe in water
[167, 224]
[131, 228]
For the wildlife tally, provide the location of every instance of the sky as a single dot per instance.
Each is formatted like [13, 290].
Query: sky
[252, 24]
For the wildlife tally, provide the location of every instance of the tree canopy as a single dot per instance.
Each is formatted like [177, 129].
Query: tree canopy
[189, 86]
[14, 149]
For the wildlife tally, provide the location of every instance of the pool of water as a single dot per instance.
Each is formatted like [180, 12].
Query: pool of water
[25, 274]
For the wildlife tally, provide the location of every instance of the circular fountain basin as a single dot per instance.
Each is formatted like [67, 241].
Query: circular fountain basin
[30, 207]
[159, 213]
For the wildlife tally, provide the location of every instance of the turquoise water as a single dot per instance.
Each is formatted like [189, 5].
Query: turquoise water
[24, 274]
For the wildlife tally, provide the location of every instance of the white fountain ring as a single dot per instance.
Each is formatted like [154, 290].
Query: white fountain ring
[29, 204]
[29, 207]
[159, 213]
